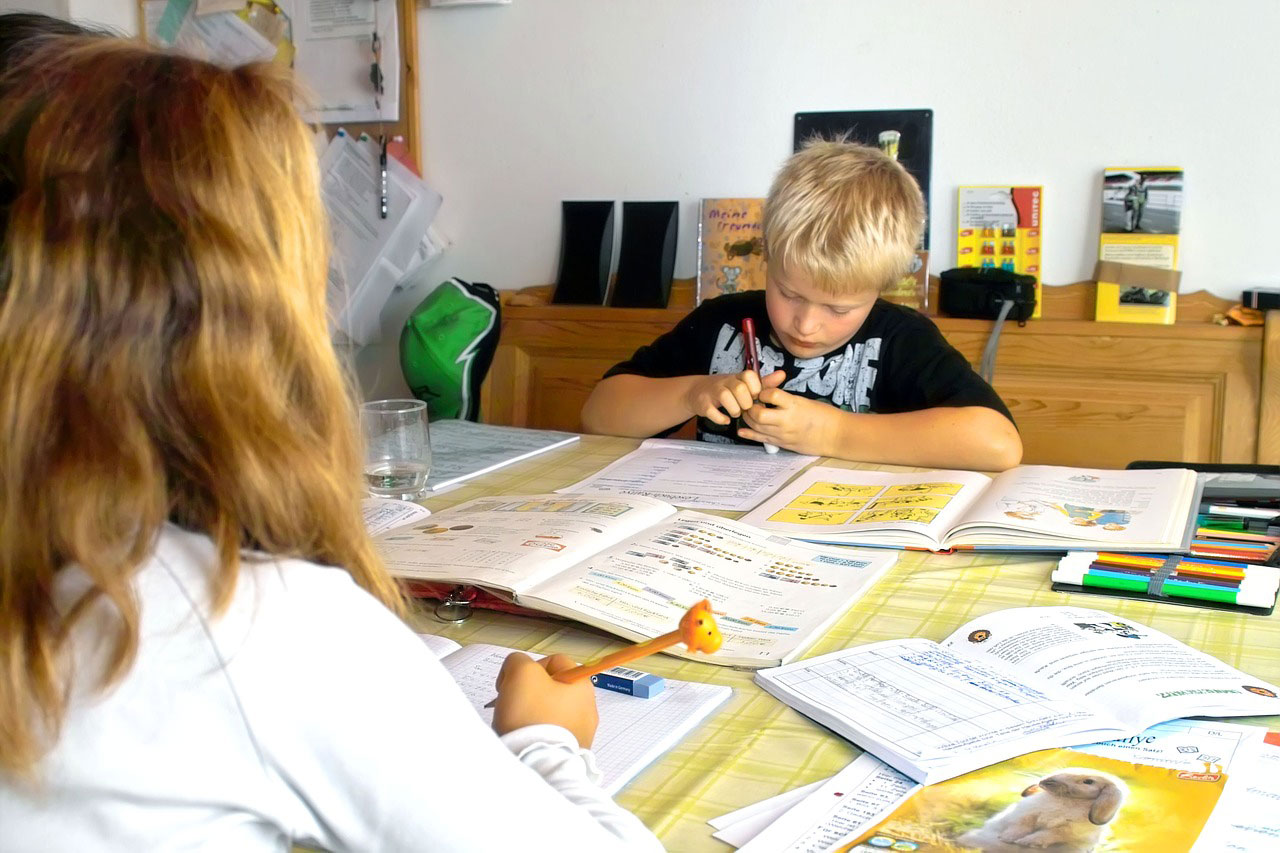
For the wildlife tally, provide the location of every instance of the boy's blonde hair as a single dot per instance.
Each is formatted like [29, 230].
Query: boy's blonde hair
[164, 351]
[846, 215]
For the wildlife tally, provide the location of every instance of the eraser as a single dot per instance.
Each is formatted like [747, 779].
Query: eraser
[632, 682]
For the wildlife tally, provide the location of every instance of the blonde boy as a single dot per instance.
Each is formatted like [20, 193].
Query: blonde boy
[845, 374]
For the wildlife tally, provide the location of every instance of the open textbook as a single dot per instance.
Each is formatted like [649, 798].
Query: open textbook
[632, 566]
[1031, 508]
[632, 733]
[1012, 682]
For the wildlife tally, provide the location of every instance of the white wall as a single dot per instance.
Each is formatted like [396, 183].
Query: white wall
[118, 15]
[544, 100]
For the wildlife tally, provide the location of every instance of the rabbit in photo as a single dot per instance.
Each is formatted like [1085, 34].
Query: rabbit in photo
[1066, 812]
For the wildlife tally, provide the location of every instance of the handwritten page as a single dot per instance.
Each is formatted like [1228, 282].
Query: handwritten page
[463, 449]
[632, 733]
[383, 514]
[861, 793]
[697, 474]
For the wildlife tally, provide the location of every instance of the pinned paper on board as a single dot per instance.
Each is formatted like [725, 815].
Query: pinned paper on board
[371, 254]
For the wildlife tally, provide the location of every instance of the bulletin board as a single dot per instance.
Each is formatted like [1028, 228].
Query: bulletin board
[408, 125]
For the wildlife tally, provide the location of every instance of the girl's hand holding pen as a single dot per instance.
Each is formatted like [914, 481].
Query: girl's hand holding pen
[528, 695]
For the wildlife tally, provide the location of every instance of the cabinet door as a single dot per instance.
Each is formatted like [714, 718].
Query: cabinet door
[1104, 400]
[548, 360]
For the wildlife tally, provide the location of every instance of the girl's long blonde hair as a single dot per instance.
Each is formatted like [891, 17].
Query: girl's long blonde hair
[164, 350]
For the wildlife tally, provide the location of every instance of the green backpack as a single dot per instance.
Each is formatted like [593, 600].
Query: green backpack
[447, 346]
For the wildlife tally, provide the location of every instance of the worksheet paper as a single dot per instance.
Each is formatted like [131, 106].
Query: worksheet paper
[697, 474]
[633, 732]
[860, 794]
[383, 514]
[1248, 814]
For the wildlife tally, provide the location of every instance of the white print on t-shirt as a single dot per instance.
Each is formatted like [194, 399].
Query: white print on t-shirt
[845, 378]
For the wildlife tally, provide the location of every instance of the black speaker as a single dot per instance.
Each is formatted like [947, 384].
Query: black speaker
[647, 259]
[586, 252]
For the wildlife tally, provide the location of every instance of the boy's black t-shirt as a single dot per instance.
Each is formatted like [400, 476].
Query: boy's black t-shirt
[897, 361]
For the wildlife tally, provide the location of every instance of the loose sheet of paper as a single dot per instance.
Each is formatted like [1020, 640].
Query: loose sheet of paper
[741, 825]
[1248, 815]
[333, 40]
[697, 474]
[863, 792]
[383, 514]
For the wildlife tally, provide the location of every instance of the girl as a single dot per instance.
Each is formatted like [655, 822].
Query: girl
[180, 666]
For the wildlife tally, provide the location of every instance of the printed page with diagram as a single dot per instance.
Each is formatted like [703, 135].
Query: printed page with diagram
[1039, 503]
[1140, 675]
[842, 506]
[772, 598]
[509, 543]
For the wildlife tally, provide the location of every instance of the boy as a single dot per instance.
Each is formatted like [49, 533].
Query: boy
[845, 374]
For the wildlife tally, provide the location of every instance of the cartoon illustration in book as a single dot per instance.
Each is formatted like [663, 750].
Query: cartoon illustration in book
[1022, 510]
[1083, 516]
[1084, 478]
[808, 516]
[1119, 629]
[729, 282]
[920, 488]
[902, 513]
[937, 501]
[744, 248]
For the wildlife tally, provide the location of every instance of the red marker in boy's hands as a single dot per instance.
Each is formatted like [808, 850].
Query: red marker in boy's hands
[753, 358]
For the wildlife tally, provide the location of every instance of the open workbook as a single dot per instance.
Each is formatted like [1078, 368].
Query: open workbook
[632, 733]
[1012, 682]
[633, 565]
[1030, 508]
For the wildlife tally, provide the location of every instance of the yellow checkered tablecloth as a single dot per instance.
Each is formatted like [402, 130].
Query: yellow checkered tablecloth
[755, 746]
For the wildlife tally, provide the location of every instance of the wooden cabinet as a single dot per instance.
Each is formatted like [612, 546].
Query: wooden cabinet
[1083, 393]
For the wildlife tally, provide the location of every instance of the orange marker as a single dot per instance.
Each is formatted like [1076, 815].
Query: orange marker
[698, 631]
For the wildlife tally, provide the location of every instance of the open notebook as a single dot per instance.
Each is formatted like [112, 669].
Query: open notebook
[632, 733]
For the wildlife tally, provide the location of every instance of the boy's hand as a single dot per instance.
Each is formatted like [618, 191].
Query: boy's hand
[790, 421]
[732, 392]
[528, 695]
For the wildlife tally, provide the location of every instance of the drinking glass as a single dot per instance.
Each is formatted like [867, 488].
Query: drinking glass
[397, 456]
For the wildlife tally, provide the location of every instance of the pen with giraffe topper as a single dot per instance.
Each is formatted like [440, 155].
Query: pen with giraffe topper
[753, 359]
[697, 630]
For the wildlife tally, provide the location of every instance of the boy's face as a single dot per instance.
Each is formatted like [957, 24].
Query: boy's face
[809, 322]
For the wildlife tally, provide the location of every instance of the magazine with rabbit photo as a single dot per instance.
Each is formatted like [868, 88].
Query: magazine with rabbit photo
[1057, 799]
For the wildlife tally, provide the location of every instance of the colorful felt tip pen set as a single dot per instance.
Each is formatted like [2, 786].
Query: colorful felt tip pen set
[1164, 576]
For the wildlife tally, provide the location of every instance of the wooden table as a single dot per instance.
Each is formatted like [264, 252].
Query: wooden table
[755, 746]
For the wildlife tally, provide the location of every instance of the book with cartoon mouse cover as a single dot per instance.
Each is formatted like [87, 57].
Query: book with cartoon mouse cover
[1028, 508]
[730, 246]
[1012, 682]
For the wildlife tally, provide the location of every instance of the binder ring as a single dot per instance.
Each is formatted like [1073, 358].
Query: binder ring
[456, 606]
